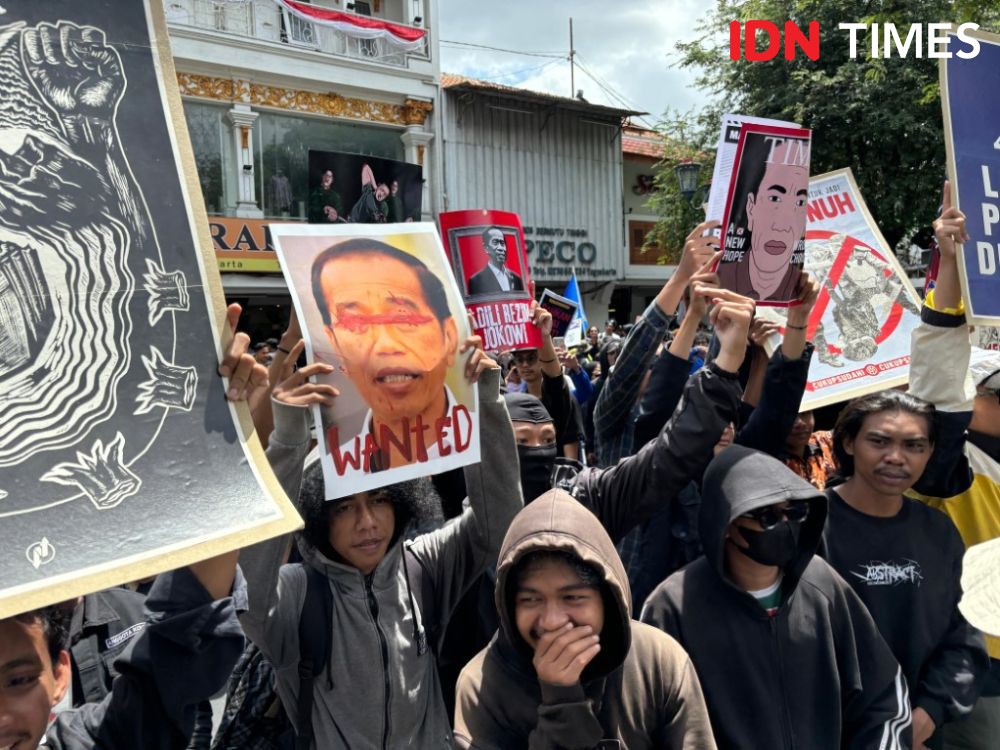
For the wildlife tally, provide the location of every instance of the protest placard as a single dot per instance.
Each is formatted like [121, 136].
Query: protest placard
[867, 308]
[487, 252]
[380, 304]
[563, 311]
[119, 455]
[764, 222]
[972, 142]
[355, 189]
[725, 155]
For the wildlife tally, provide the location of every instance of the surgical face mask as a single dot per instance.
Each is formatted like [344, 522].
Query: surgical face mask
[776, 546]
[536, 469]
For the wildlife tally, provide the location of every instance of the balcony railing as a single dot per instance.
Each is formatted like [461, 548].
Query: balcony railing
[265, 20]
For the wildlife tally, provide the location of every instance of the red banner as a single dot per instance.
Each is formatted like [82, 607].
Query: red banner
[488, 256]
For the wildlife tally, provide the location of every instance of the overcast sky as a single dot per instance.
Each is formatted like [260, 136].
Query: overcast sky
[628, 46]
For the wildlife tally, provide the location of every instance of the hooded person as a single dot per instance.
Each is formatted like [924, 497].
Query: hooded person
[569, 668]
[380, 686]
[787, 654]
[535, 433]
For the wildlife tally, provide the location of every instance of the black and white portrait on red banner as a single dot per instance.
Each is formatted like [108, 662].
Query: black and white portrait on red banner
[488, 255]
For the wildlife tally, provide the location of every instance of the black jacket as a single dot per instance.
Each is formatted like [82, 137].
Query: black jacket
[907, 570]
[817, 675]
[485, 282]
[629, 492]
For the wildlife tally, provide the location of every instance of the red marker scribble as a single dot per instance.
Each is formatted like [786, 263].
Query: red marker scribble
[359, 323]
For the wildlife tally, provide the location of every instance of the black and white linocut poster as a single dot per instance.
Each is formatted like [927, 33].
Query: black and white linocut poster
[118, 451]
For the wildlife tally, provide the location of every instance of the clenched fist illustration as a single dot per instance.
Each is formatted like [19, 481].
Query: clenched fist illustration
[74, 69]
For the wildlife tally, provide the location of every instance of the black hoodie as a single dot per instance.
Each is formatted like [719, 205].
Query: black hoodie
[817, 675]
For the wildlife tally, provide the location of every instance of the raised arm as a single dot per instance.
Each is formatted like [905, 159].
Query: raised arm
[939, 363]
[627, 494]
[621, 387]
[457, 553]
[784, 380]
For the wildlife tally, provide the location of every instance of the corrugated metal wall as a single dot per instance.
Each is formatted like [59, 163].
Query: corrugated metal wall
[555, 168]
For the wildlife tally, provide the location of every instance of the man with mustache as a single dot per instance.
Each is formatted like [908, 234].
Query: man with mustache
[776, 220]
[495, 277]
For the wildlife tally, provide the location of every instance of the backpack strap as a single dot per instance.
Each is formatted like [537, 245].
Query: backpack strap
[89, 668]
[315, 623]
[422, 586]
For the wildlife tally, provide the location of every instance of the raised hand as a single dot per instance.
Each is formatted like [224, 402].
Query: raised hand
[295, 387]
[700, 246]
[798, 315]
[245, 374]
[478, 361]
[74, 69]
[731, 317]
[541, 318]
[949, 227]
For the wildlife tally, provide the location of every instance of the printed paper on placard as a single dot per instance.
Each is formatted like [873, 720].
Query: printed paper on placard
[379, 303]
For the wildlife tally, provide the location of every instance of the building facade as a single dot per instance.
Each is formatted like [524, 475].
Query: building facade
[556, 162]
[265, 81]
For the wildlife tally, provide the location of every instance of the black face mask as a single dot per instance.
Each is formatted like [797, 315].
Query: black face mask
[536, 469]
[776, 546]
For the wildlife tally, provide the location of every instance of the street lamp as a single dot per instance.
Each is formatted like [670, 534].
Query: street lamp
[687, 173]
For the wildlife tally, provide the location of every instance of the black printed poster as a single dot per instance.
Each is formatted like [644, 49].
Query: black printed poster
[119, 455]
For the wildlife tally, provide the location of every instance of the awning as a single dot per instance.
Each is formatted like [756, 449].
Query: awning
[406, 38]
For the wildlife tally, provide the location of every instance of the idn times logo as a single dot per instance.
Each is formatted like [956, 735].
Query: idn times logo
[878, 40]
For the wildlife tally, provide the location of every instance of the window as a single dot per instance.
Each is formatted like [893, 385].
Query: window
[211, 139]
[283, 143]
[637, 231]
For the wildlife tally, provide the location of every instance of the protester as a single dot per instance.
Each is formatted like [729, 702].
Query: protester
[903, 558]
[325, 204]
[380, 685]
[785, 650]
[540, 371]
[569, 668]
[963, 475]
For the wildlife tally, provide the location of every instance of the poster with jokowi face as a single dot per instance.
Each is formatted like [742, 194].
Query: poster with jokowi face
[488, 256]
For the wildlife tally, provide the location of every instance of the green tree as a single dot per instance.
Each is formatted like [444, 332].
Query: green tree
[678, 215]
[879, 116]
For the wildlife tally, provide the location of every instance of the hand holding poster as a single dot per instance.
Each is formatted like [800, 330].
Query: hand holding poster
[765, 218]
[488, 256]
[563, 311]
[380, 305]
[972, 141]
[867, 308]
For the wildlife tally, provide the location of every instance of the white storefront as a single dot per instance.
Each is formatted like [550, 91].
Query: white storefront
[262, 86]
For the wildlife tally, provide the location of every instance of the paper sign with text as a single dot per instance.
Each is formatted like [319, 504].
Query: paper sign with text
[763, 238]
[563, 311]
[867, 308]
[380, 305]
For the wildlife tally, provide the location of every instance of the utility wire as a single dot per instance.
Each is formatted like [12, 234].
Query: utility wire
[530, 53]
[607, 89]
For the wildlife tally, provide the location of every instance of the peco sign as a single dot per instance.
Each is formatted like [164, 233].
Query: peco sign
[555, 252]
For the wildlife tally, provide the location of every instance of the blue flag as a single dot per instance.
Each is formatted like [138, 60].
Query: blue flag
[578, 328]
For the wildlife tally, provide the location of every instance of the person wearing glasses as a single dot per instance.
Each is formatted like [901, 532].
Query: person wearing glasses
[786, 652]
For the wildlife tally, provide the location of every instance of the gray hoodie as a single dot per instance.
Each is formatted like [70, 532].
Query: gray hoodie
[383, 691]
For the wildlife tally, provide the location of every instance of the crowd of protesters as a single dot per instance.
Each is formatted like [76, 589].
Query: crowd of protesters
[656, 550]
